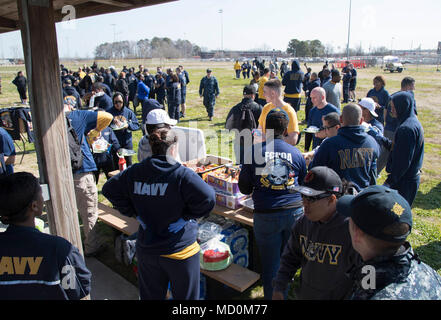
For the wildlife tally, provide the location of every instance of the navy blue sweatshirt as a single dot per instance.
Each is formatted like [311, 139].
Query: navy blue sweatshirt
[125, 135]
[149, 105]
[71, 93]
[106, 158]
[310, 86]
[104, 102]
[406, 158]
[39, 266]
[276, 168]
[352, 154]
[160, 193]
[315, 119]
[293, 80]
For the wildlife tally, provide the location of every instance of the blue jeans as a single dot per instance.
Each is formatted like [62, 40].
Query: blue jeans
[272, 231]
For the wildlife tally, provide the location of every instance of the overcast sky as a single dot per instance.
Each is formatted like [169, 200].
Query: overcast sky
[253, 24]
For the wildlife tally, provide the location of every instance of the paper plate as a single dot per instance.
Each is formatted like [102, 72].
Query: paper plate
[100, 146]
[311, 129]
[115, 128]
[126, 153]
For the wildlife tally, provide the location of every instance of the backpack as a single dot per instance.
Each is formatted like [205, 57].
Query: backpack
[76, 155]
[244, 119]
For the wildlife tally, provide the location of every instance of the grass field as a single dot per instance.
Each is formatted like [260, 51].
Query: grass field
[426, 233]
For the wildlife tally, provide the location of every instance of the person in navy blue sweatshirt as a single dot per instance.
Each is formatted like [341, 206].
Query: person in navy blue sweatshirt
[320, 109]
[107, 90]
[132, 85]
[353, 82]
[352, 154]
[406, 157]
[149, 81]
[35, 265]
[122, 114]
[160, 88]
[21, 83]
[164, 197]
[147, 106]
[122, 87]
[276, 168]
[101, 99]
[326, 76]
[313, 82]
[293, 82]
[183, 82]
[105, 160]
[391, 123]
[174, 97]
[7, 151]
[109, 79]
[382, 95]
[346, 84]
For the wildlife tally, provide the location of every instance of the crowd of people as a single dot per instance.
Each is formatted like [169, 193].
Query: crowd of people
[320, 211]
[302, 201]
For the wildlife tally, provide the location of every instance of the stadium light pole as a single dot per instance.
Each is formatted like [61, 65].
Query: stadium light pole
[349, 30]
[222, 30]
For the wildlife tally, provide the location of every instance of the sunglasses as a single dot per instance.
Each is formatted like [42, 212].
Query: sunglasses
[116, 101]
[315, 198]
[327, 128]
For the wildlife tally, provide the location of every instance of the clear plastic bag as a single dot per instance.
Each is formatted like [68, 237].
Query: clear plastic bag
[215, 255]
[208, 230]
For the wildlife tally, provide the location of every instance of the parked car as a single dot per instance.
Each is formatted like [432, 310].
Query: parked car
[394, 66]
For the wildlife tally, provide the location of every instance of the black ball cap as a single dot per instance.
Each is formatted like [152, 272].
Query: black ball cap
[376, 208]
[320, 180]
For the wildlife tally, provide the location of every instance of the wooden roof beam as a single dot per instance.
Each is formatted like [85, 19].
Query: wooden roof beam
[8, 23]
[114, 3]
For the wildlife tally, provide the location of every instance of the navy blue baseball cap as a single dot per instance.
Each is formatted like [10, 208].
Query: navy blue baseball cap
[277, 113]
[376, 208]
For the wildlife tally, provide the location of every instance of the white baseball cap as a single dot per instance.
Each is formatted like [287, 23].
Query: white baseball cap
[368, 103]
[157, 116]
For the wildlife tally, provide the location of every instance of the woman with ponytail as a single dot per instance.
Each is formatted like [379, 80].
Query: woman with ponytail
[165, 197]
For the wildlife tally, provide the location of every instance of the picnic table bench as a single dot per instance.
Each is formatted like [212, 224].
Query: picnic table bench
[235, 276]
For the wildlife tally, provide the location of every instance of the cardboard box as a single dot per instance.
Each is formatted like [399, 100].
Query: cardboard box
[231, 188]
[209, 159]
[229, 201]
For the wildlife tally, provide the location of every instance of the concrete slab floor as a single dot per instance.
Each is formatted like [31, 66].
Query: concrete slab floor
[108, 285]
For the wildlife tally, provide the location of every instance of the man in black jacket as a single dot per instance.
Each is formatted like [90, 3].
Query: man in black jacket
[244, 118]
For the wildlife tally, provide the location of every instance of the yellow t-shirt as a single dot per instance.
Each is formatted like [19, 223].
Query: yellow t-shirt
[237, 66]
[293, 125]
[262, 81]
[82, 74]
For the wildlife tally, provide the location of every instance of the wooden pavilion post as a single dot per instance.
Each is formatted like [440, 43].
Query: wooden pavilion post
[39, 38]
